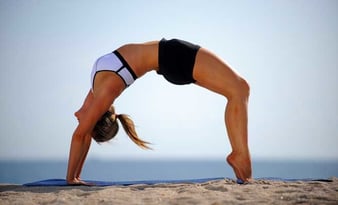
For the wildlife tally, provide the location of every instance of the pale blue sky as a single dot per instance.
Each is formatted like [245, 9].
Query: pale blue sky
[287, 50]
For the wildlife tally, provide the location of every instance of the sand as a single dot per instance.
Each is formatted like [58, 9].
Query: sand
[212, 193]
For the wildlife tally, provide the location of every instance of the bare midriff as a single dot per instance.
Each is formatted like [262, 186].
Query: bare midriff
[142, 58]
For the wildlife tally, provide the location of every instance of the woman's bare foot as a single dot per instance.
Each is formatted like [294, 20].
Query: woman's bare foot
[78, 182]
[241, 164]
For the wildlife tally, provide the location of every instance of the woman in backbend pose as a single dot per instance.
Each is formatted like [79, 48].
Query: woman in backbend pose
[180, 62]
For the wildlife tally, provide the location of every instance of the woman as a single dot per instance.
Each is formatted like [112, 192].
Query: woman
[180, 62]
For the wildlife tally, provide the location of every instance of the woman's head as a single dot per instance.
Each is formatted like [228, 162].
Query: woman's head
[107, 127]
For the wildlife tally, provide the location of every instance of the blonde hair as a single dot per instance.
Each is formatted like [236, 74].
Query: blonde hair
[107, 127]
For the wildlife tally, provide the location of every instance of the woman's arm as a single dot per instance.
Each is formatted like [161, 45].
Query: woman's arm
[78, 149]
[81, 138]
[78, 170]
[87, 102]
[87, 140]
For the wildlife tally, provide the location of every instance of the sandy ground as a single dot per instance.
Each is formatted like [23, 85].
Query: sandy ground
[212, 193]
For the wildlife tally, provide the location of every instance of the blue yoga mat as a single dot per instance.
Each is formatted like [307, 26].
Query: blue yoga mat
[62, 182]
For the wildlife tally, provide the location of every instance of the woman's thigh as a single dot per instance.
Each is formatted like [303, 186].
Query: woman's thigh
[214, 74]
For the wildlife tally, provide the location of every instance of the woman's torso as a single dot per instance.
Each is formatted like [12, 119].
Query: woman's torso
[142, 58]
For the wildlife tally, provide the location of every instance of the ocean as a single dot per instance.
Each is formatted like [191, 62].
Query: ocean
[19, 172]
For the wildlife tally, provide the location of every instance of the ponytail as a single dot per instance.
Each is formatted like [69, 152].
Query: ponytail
[129, 128]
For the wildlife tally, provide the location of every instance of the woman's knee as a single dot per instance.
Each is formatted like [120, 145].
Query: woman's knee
[245, 87]
[241, 89]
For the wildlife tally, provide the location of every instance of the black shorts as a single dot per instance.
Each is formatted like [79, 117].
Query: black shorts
[176, 59]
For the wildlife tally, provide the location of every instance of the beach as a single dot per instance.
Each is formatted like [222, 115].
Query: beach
[215, 192]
